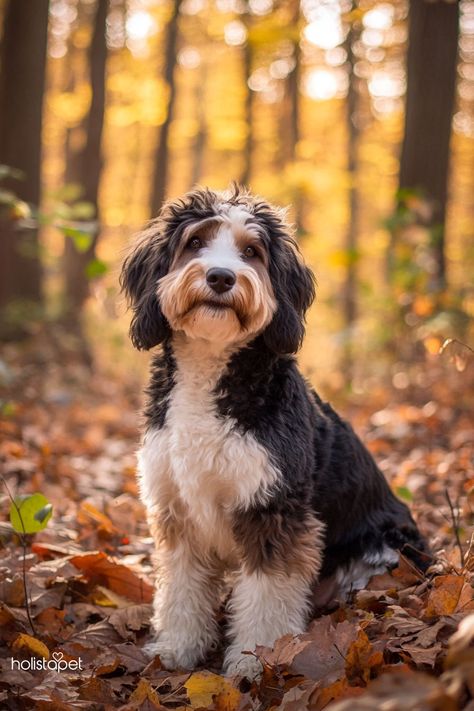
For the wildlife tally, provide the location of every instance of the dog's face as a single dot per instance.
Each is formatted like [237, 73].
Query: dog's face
[221, 267]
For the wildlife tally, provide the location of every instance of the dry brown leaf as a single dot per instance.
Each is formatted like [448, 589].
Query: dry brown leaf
[444, 596]
[99, 568]
[362, 659]
[144, 698]
[129, 619]
[319, 654]
[401, 692]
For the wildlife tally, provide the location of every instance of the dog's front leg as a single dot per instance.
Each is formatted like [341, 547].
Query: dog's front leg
[281, 557]
[184, 607]
[263, 607]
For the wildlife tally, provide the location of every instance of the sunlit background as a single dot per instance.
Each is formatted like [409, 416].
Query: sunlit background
[302, 101]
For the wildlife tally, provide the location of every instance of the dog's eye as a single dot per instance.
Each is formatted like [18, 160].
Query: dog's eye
[194, 243]
[249, 252]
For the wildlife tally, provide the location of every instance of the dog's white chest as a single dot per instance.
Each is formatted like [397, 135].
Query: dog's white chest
[214, 468]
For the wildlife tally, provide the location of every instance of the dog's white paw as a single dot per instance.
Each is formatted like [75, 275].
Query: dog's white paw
[171, 658]
[243, 665]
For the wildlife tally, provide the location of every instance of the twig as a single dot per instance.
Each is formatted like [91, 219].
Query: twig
[455, 522]
[450, 341]
[24, 544]
[339, 651]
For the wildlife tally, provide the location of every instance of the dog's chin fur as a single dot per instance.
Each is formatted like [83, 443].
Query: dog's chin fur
[217, 324]
[243, 467]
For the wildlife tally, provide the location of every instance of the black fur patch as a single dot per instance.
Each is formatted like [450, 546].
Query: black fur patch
[322, 460]
[159, 388]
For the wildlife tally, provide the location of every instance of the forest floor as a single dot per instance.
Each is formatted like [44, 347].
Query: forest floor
[71, 434]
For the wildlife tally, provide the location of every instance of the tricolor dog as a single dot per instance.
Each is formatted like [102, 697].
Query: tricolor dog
[243, 468]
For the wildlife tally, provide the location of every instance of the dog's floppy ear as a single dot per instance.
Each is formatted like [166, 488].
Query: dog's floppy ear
[143, 267]
[294, 288]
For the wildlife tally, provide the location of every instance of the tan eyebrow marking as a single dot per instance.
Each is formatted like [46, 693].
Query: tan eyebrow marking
[179, 258]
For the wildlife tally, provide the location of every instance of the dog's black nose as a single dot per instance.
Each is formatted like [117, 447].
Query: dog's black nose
[220, 280]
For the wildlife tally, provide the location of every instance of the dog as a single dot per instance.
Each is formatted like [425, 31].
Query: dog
[243, 468]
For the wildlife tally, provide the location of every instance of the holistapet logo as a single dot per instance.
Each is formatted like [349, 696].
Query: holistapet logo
[57, 663]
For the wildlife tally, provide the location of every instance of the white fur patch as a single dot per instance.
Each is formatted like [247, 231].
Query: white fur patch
[359, 572]
[215, 468]
[355, 576]
[185, 602]
[262, 609]
[222, 251]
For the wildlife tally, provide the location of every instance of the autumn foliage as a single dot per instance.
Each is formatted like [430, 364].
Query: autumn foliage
[71, 435]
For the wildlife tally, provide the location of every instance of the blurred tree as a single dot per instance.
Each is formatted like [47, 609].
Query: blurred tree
[84, 167]
[431, 79]
[201, 135]
[160, 177]
[350, 285]
[290, 115]
[247, 57]
[22, 81]
[291, 110]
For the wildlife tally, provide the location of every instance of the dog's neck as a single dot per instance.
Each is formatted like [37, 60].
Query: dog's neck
[205, 361]
[200, 359]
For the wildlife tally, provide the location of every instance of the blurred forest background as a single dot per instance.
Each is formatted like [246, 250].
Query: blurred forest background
[358, 114]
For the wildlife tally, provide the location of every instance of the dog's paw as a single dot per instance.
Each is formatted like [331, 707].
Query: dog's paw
[157, 648]
[243, 665]
[171, 658]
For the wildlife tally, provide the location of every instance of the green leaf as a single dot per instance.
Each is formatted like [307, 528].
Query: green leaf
[7, 408]
[82, 210]
[30, 513]
[82, 240]
[96, 268]
[404, 493]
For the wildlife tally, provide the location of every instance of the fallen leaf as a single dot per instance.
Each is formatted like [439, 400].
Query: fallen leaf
[202, 687]
[32, 644]
[99, 568]
[144, 697]
[444, 597]
[401, 692]
[129, 619]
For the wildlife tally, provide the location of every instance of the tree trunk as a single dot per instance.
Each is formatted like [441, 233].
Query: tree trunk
[246, 173]
[85, 167]
[160, 178]
[22, 81]
[290, 114]
[431, 78]
[201, 136]
[350, 286]
[293, 120]
[350, 246]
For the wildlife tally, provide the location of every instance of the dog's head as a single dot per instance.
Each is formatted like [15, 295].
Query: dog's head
[218, 266]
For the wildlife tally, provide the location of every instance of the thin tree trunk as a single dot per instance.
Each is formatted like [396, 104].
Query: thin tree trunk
[201, 136]
[431, 78]
[22, 82]
[247, 56]
[293, 92]
[350, 285]
[350, 298]
[85, 168]
[294, 97]
[160, 178]
[290, 114]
